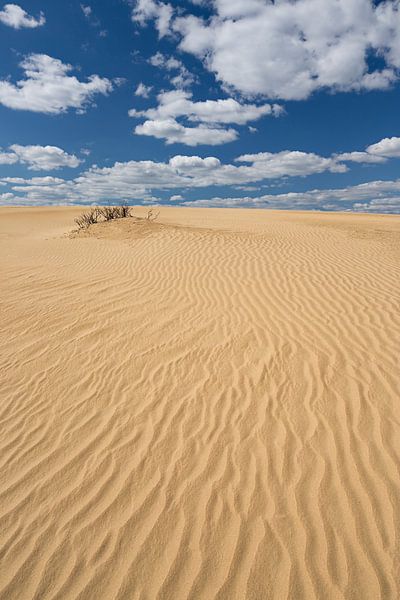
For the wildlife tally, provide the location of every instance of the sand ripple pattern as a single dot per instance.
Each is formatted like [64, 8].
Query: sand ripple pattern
[206, 408]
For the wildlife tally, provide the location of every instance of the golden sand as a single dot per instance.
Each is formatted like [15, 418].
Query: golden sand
[204, 407]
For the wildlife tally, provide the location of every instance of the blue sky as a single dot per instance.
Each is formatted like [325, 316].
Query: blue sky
[290, 104]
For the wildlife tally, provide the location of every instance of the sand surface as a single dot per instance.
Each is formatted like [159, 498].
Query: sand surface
[207, 407]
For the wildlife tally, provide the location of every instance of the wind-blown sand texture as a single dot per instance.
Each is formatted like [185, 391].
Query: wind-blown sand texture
[206, 407]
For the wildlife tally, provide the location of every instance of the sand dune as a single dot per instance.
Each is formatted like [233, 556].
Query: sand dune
[206, 407]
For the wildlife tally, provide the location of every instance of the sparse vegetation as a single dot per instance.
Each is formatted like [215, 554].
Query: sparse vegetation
[151, 215]
[108, 213]
[124, 211]
[88, 218]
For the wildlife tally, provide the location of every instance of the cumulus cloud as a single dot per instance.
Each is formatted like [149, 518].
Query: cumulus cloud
[178, 103]
[14, 16]
[192, 163]
[87, 10]
[183, 79]
[379, 152]
[143, 90]
[133, 180]
[388, 147]
[38, 158]
[93, 20]
[360, 157]
[160, 60]
[49, 88]
[174, 133]
[152, 9]
[8, 158]
[162, 120]
[6, 198]
[375, 196]
[292, 163]
[138, 179]
[44, 158]
[291, 48]
[47, 180]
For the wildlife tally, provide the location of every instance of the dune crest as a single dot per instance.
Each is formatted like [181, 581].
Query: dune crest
[202, 407]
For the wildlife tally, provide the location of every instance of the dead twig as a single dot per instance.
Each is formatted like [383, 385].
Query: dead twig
[151, 215]
[109, 213]
[88, 218]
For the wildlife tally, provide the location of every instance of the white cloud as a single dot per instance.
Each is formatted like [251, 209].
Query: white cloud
[38, 158]
[134, 179]
[174, 133]
[291, 48]
[176, 198]
[162, 120]
[360, 157]
[44, 158]
[190, 164]
[87, 10]
[388, 147]
[247, 188]
[138, 179]
[178, 103]
[48, 87]
[8, 158]
[152, 9]
[119, 81]
[143, 90]
[6, 198]
[14, 16]
[183, 79]
[379, 152]
[93, 20]
[379, 205]
[161, 61]
[367, 197]
[292, 163]
[48, 180]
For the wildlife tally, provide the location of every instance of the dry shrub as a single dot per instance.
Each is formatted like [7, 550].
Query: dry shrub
[88, 218]
[124, 211]
[151, 215]
[115, 212]
[109, 213]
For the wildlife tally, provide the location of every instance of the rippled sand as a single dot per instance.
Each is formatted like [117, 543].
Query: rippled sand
[206, 407]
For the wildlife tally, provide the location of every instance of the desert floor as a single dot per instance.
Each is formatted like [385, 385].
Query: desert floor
[203, 407]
